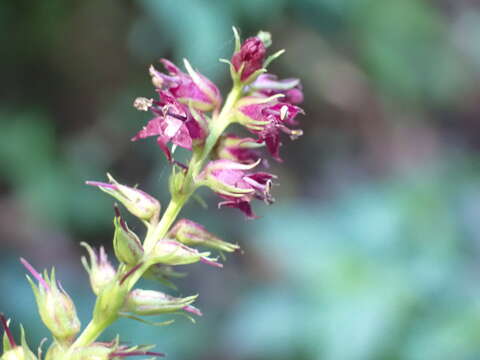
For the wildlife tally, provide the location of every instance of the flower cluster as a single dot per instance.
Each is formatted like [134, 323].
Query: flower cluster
[266, 106]
[189, 113]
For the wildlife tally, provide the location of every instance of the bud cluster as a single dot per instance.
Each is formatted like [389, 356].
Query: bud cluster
[187, 113]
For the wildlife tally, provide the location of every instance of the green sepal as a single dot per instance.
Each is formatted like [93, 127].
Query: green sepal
[272, 57]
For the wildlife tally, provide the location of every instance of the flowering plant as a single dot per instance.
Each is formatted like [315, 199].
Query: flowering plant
[187, 113]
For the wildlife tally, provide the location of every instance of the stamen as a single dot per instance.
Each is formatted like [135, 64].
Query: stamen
[283, 112]
[35, 274]
[295, 134]
[4, 322]
[142, 104]
[176, 116]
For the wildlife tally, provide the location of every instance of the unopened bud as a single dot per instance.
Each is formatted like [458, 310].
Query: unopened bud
[149, 302]
[171, 252]
[248, 60]
[100, 270]
[126, 243]
[56, 308]
[192, 234]
[139, 203]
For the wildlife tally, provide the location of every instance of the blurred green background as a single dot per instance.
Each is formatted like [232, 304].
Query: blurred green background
[371, 251]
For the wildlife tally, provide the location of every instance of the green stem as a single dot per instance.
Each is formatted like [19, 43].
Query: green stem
[90, 334]
[169, 216]
[218, 125]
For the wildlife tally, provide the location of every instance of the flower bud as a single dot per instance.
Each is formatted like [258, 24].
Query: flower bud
[192, 234]
[100, 270]
[12, 351]
[231, 182]
[149, 302]
[56, 308]
[268, 118]
[171, 252]
[136, 201]
[126, 243]
[224, 177]
[249, 59]
[191, 89]
[175, 123]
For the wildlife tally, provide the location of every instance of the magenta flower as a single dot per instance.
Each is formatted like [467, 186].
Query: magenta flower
[193, 88]
[268, 85]
[231, 182]
[267, 119]
[249, 58]
[173, 123]
[238, 149]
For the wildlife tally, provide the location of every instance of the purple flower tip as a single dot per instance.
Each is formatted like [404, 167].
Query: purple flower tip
[35, 274]
[193, 310]
[4, 322]
[101, 184]
[210, 262]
